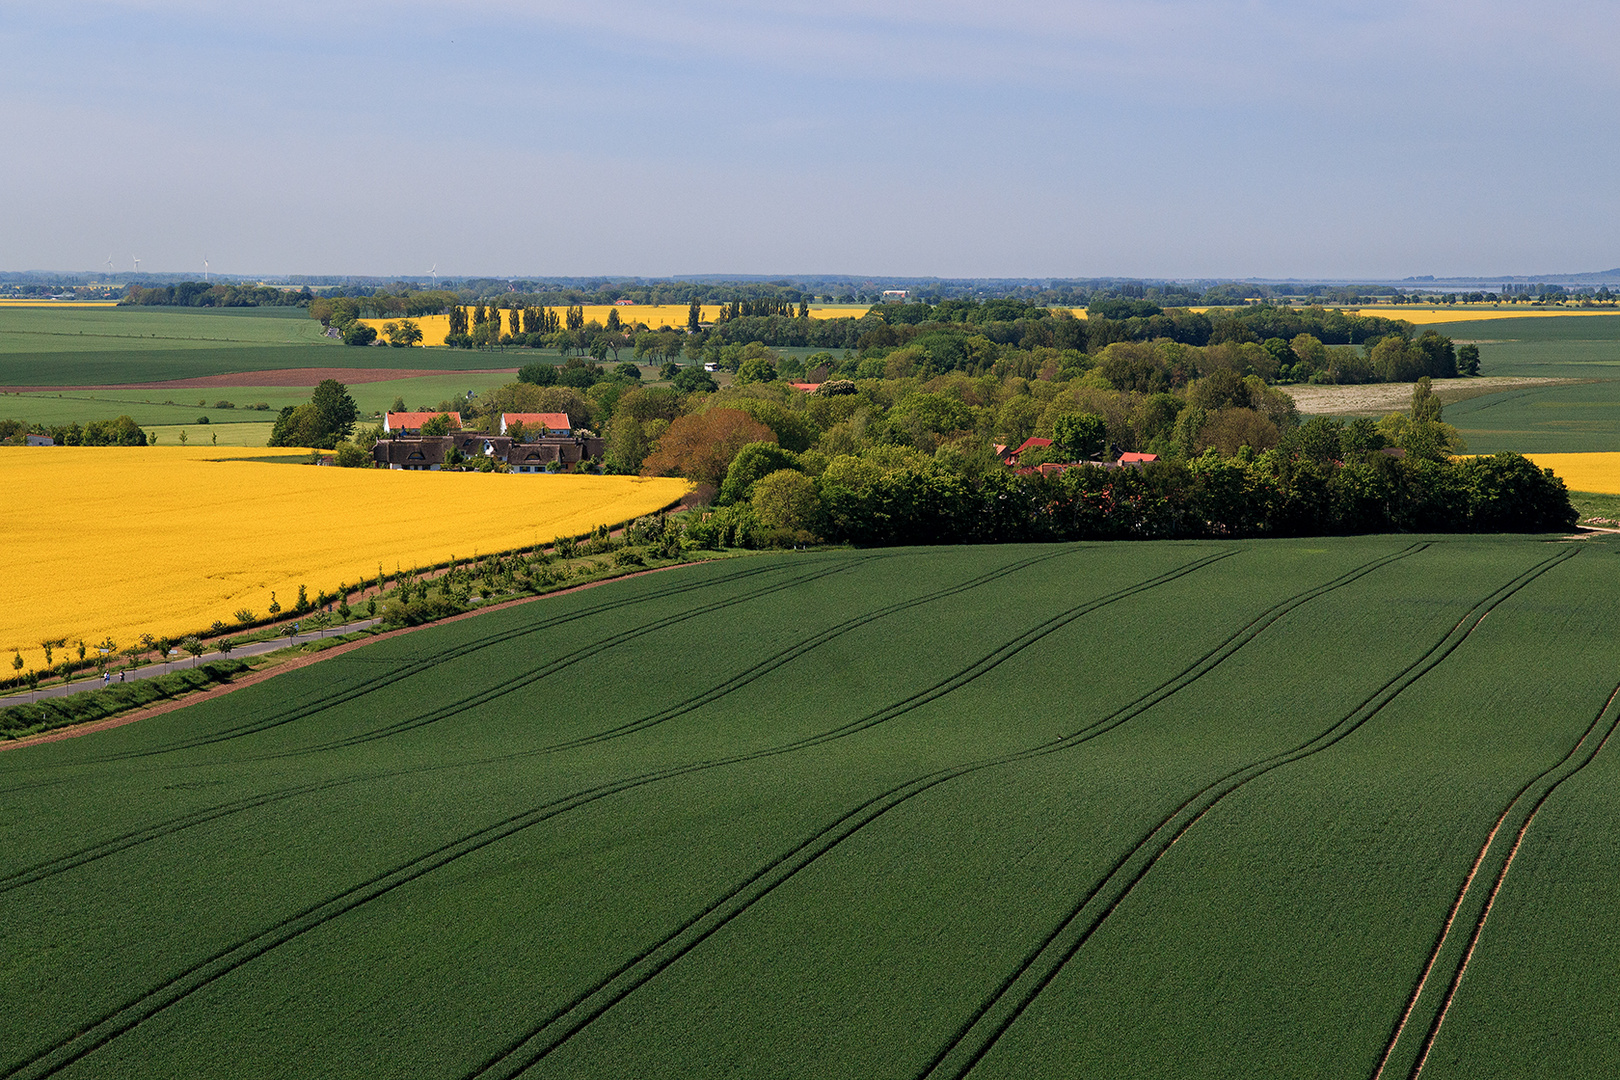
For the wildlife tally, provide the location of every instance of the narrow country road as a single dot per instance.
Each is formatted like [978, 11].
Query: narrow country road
[255, 648]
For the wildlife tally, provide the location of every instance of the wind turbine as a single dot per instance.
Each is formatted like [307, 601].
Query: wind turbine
[434, 274]
[205, 268]
[110, 270]
[137, 264]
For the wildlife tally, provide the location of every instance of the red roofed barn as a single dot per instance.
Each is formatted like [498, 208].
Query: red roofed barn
[410, 423]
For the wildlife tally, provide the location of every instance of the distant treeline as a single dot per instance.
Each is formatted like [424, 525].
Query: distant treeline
[122, 431]
[206, 294]
[879, 499]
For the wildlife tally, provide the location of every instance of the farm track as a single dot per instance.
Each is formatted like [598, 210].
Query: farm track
[97, 1033]
[1019, 989]
[201, 816]
[579, 1013]
[1404, 1056]
[414, 667]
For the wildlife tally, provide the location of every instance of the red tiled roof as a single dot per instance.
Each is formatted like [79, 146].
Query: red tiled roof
[1133, 457]
[807, 387]
[551, 421]
[397, 420]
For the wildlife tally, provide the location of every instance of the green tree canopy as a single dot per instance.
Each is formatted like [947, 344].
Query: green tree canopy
[753, 462]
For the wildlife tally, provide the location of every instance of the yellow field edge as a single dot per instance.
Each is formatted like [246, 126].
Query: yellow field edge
[122, 542]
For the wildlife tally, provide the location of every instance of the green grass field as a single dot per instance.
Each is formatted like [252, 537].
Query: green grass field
[1167, 809]
[183, 406]
[110, 346]
[1550, 419]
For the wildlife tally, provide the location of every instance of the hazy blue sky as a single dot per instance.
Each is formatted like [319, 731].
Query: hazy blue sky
[952, 138]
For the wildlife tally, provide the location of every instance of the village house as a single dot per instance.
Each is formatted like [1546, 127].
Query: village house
[410, 423]
[416, 455]
[1031, 443]
[544, 424]
[530, 454]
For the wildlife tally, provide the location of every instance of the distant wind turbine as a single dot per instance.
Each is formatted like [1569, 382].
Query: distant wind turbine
[137, 264]
[110, 265]
[205, 268]
[434, 274]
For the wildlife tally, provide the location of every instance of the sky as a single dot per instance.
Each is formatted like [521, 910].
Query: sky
[1025, 138]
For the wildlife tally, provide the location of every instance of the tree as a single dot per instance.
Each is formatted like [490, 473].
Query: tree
[694, 316]
[225, 645]
[755, 369]
[1468, 360]
[701, 447]
[437, 426]
[753, 463]
[351, 456]
[403, 334]
[195, 647]
[691, 380]
[1426, 406]
[1080, 436]
[359, 333]
[787, 499]
[337, 409]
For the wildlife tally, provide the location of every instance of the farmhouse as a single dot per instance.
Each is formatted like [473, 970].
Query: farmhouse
[551, 424]
[410, 423]
[1031, 443]
[547, 453]
[416, 455]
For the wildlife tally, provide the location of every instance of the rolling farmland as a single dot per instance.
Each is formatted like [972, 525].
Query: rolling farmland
[1155, 809]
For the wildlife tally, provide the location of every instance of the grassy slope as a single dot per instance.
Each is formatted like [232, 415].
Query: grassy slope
[862, 961]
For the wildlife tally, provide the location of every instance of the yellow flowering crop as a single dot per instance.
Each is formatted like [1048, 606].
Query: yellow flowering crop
[165, 540]
[1598, 473]
[656, 316]
[1426, 316]
[58, 303]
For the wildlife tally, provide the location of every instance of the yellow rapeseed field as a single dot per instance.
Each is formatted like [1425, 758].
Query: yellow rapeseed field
[58, 303]
[1421, 316]
[165, 540]
[1584, 472]
[656, 316]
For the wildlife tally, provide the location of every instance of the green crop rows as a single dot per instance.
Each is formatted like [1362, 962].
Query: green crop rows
[1302, 808]
[1547, 419]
